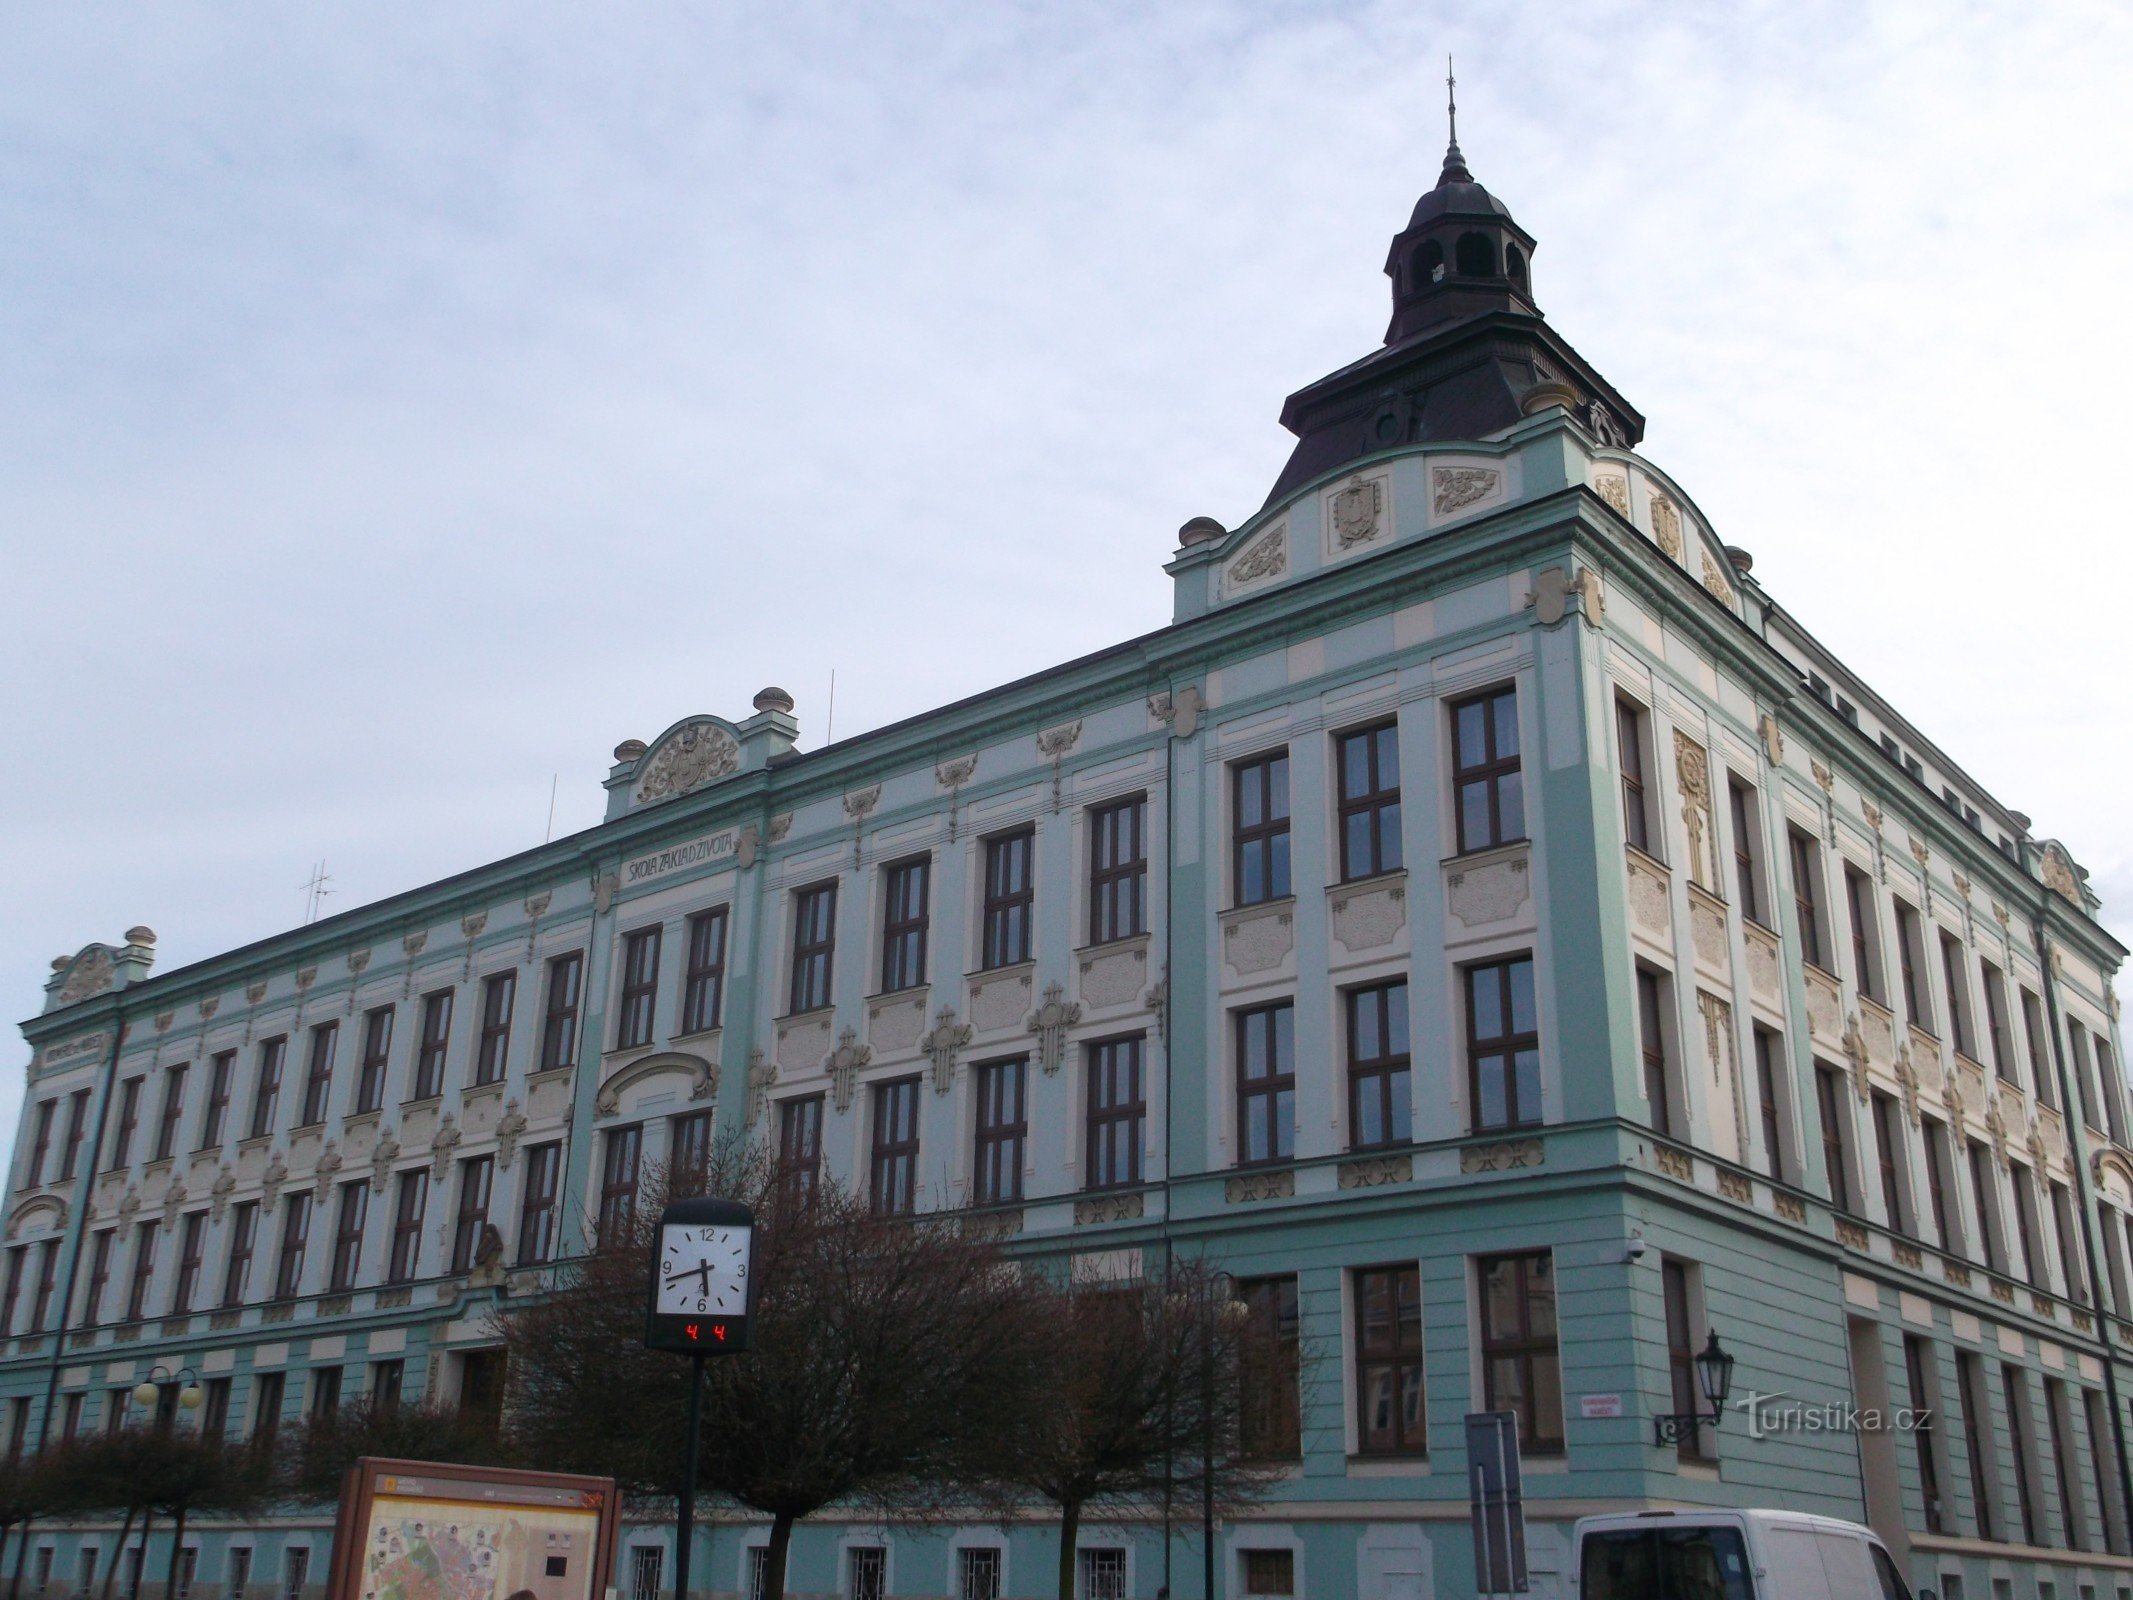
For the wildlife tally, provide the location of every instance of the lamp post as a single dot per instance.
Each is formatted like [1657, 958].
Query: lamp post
[1714, 1376]
[149, 1390]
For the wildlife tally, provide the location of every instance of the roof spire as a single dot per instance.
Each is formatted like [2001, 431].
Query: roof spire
[1454, 163]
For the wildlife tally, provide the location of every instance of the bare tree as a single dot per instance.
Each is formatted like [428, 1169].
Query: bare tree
[883, 1348]
[316, 1453]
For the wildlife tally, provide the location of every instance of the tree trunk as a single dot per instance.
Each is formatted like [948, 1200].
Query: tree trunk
[6, 1528]
[148, 1528]
[774, 1557]
[22, 1551]
[1069, 1532]
[118, 1552]
[177, 1551]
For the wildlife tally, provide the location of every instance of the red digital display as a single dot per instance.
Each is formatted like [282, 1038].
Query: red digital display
[694, 1331]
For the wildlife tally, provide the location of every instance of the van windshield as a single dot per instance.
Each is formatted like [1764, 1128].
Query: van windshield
[1666, 1564]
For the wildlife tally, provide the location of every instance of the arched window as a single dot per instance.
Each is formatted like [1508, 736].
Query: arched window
[1428, 264]
[1476, 256]
[1514, 265]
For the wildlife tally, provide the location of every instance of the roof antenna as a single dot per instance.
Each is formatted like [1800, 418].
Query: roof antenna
[1455, 170]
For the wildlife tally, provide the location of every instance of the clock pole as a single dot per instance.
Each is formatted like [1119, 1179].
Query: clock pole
[685, 1521]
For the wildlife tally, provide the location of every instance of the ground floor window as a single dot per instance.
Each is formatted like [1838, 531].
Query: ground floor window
[188, 1565]
[1103, 1575]
[645, 1563]
[758, 1567]
[41, 1583]
[1270, 1572]
[295, 1569]
[237, 1566]
[869, 1572]
[978, 1573]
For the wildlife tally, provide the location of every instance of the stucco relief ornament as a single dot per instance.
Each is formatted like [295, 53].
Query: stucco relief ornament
[696, 753]
[277, 1174]
[329, 1162]
[1692, 770]
[442, 1143]
[1714, 580]
[1907, 1078]
[954, 774]
[860, 803]
[1996, 1125]
[948, 1037]
[762, 1073]
[1666, 525]
[382, 1157]
[92, 973]
[844, 1064]
[1267, 557]
[1603, 425]
[1049, 1022]
[1356, 511]
[780, 826]
[508, 1129]
[220, 1190]
[164, 1019]
[1855, 1053]
[1180, 709]
[1613, 487]
[2059, 875]
[256, 991]
[129, 1203]
[1455, 487]
[1773, 738]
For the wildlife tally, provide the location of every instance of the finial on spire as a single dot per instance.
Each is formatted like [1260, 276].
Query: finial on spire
[1454, 163]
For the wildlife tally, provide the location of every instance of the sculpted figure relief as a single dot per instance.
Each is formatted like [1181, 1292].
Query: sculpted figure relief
[695, 754]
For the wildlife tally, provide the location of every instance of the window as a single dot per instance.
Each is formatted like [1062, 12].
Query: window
[1866, 954]
[800, 1144]
[1520, 1368]
[295, 1571]
[703, 986]
[1259, 792]
[1996, 1033]
[1829, 1101]
[477, 1176]
[1380, 1107]
[92, 1311]
[1503, 1045]
[688, 1154]
[1270, 1419]
[1888, 1160]
[1977, 1443]
[536, 1205]
[144, 1268]
[215, 1408]
[1388, 1362]
[1266, 1083]
[1003, 1125]
[2112, 1504]
[239, 1567]
[388, 1380]
[188, 1569]
[1010, 893]
[166, 1124]
[814, 942]
[17, 1259]
[1910, 952]
[1488, 789]
[640, 988]
[436, 1041]
[85, 1568]
[1103, 1574]
[318, 1073]
[1370, 802]
[1951, 971]
[2040, 1061]
[1652, 1043]
[1118, 871]
[348, 1235]
[78, 1124]
[325, 1393]
[1984, 1196]
[244, 1239]
[1937, 1158]
[47, 1276]
[1768, 1074]
[1116, 1109]
[895, 1170]
[977, 1572]
[2024, 1189]
[2016, 1394]
[646, 1562]
[129, 1117]
[1807, 896]
[2077, 1041]
[33, 1175]
[1631, 747]
[2069, 1257]
[266, 1086]
[2113, 1090]
[869, 1573]
[377, 1056]
[295, 1235]
[1269, 1572]
[559, 1025]
[41, 1572]
[408, 1208]
[492, 1057]
[618, 1182]
[905, 912]
[1747, 849]
[2073, 1515]
[1677, 1289]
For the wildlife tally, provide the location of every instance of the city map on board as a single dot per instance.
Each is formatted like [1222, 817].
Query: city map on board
[452, 1550]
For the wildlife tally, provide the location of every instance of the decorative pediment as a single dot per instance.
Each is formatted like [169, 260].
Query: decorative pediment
[2061, 876]
[686, 757]
[39, 1211]
[93, 970]
[702, 1075]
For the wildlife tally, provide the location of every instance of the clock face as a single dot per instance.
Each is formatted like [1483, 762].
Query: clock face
[703, 1270]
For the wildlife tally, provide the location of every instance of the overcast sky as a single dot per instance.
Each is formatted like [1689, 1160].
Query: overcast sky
[399, 406]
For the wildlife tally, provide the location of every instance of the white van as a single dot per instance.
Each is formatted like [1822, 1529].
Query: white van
[1731, 1555]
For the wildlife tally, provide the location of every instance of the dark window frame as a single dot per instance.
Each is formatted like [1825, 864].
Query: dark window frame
[800, 1144]
[1677, 1303]
[621, 1161]
[1524, 1348]
[244, 1244]
[192, 1258]
[1270, 1411]
[1118, 870]
[1487, 771]
[375, 1074]
[814, 947]
[168, 1118]
[351, 1217]
[499, 1003]
[1398, 1359]
[477, 1191]
[1836, 1135]
[564, 992]
[906, 920]
[703, 981]
[1001, 1092]
[1502, 1053]
[636, 1011]
[1369, 815]
[266, 1085]
[1865, 931]
[78, 1130]
[538, 1194]
[129, 1120]
[295, 1247]
[411, 1204]
[145, 1234]
[688, 1154]
[433, 1047]
[1632, 758]
[1769, 1099]
[1115, 1111]
[892, 1189]
[318, 1073]
[1388, 1073]
[1655, 1049]
[1804, 856]
[1007, 934]
[1744, 814]
[1264, 1037]
[1260, 848]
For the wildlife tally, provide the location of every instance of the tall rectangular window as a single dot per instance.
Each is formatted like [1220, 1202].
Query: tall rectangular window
[537, 1203]
[1259, 791]
[621, 1151]
[1747, 849]
[1521, 1370]
[244, 1240]
[800, 1144]
[559, 1022]
[814, 946]
[703, 985]
[1488, 787]
[1118, 871]
[906, 912]
[1117, 1107]
[266, 1086]
[1985, 1196]
[1996, 1030]
[1677, 1293]
[477, 1176]
[1380, 1105]
[348, 1236]
[318, 1072]
[2109, 1500]
[688, 1154]
[1807, 896]
[215, 1414]
[977, 1572]
[17, 1259]
[637, 1018]
[2077, 1051]
[295, 1238]
[1888, 1159]
[92, 1310]
[377, 1058]
[144, 1270]
[1266, 1083]
[1977, 1443]
[2063, 1224]
[1388, 1362]
[1829, 1101]
[1010, 894]
[77, 1130]
[409, 1206]
[129, 1117]
[2041, 1071]
[2021, 1441]
[325, 1393]
[1917, 1358]
[2024, 1189]
[1938, 1156]
[1270, 1421]
[47, 1281]
[895, 1173]
[1370, 802]
[1866, 955]
[1769, 1108]
[1652, 1043]
[1503, 1044]
[2058, 1422]
[492, 1057]
[167, 1121]
[1952, 975]
[2113, 1090]
[1910, 954]
[436, 1044]
[1630, 751]
[1003, 1126]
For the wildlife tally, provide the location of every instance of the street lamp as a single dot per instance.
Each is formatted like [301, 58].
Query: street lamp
[148, 1391]
[1714, 1376]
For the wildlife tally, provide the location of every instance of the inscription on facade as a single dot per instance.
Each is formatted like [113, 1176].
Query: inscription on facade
[679, 857]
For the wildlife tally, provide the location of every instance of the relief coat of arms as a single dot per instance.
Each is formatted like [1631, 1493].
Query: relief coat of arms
[1355, 512]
